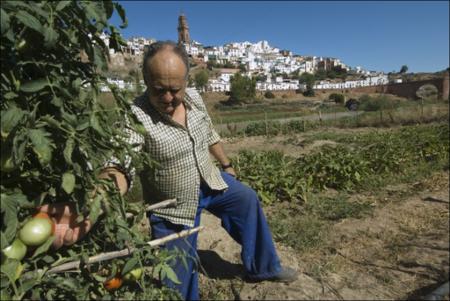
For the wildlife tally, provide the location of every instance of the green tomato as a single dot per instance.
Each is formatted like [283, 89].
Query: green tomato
[16, 250]
[133, 275]
[36, 231]
[7, 164]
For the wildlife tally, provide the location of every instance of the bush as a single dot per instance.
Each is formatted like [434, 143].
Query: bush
[243, 89]
[269, 94]
[378, 103]
[309, 92]
[284, 96]
[337, 97]
[201, 80]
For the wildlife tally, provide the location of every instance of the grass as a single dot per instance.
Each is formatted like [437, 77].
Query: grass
[337, 208]
[409, 113]
[401, 155]
[305, 227]
[269, 111]
[301, 233]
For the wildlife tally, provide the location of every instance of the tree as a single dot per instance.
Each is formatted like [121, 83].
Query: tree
[56, 136]
[201, 80]
[337, 97]
[308, 79]
[320, 74]
[243, 89]
[403, 69]
[260, 78]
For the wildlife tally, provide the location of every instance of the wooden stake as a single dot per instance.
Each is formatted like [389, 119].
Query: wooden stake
[125, 252]
[162, 204]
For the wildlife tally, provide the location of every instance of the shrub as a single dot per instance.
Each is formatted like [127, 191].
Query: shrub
[309, 92]
[243, 89]
[337, 97]
[369, 103]
[269, 94]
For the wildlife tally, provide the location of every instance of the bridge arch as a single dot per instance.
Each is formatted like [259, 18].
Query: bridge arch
[410, 89]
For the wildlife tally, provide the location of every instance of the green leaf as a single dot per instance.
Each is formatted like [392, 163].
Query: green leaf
[61, 5]
[42, 145]
[50, 37]
[82, 126]
[9, 208]
[44, 247]
[95, 209]
[129, 265]
[10, 268]
[9, 119]
[109, 8]
[122, 15]
[28, 20]
[4, 21]
[68, 182]
[99, 58]
[34, 85]
[91, 11]
[3, 242]
[96, 126]
[68, 150]
[10, 95]
[171, 274]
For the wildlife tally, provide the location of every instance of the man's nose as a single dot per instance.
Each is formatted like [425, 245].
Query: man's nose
[167, 96]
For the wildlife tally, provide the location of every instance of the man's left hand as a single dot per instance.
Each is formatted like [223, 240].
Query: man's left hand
[231, 171]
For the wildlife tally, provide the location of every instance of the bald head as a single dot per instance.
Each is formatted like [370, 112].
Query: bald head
[159, 48]
[167, 65]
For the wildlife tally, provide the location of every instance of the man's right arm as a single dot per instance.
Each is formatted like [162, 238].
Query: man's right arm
[63, 214]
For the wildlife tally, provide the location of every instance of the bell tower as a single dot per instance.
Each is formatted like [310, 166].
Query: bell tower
[183, 30]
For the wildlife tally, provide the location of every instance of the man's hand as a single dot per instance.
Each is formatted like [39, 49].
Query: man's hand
[67, 230]
[231, 171]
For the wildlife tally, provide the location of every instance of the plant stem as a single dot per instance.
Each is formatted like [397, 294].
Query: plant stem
[125, 252]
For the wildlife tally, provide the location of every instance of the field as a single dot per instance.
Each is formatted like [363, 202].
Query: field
[361, 211]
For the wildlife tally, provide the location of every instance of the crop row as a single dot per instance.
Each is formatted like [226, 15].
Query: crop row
[346, 166]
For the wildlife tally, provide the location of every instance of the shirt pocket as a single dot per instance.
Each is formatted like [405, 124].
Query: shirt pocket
[200, 131]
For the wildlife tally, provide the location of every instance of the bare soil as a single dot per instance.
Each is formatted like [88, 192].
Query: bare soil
[401, 251]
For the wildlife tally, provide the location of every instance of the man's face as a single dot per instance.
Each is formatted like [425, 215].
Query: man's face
[167, 81]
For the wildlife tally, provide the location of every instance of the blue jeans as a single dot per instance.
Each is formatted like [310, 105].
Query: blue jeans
[242, 217]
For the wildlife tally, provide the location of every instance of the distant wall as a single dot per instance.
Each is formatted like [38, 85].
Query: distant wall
[407, 90]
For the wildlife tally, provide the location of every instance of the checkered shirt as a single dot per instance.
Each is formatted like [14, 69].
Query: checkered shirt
[182, 154]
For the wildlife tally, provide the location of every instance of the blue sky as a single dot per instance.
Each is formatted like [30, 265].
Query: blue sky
[376, 35]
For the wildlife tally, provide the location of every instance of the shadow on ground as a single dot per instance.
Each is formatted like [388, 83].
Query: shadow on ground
[217, 268]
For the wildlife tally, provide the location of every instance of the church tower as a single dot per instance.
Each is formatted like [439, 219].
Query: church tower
[183, 30]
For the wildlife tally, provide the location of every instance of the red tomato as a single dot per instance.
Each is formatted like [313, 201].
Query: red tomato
[113, 283]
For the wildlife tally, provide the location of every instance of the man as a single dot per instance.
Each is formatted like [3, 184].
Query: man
[180, 137]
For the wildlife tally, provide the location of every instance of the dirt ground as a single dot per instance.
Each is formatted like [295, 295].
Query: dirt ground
[401, 251]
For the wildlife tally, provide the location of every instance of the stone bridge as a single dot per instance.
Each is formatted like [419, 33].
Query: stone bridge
[409, 89]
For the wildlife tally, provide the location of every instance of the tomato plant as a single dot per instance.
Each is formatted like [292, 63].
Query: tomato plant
[56, 137]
